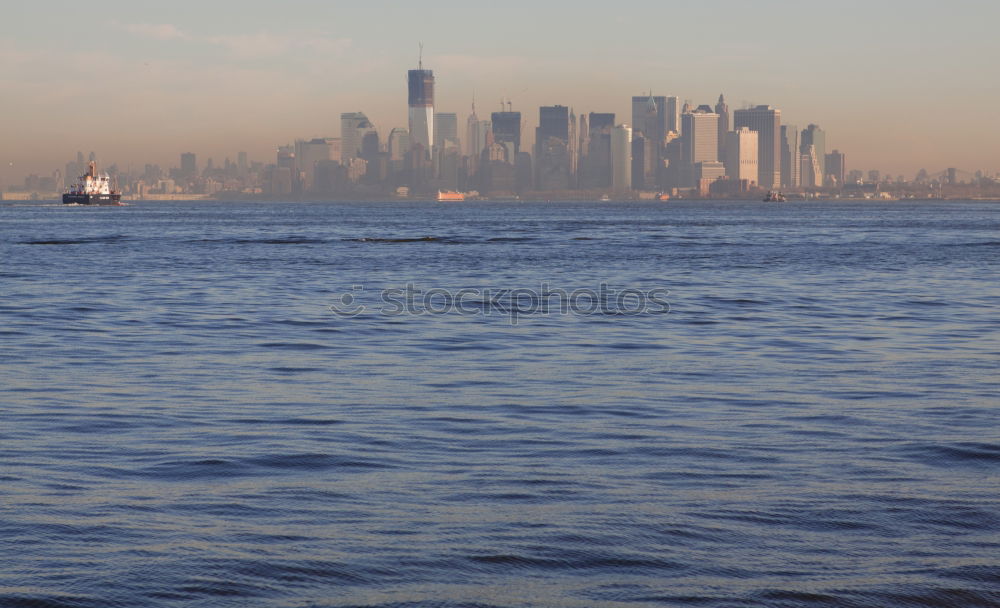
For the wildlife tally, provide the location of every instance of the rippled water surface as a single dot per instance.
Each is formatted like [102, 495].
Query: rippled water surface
[186, 422]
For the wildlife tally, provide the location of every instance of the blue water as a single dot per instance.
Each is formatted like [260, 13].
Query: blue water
[812, 421]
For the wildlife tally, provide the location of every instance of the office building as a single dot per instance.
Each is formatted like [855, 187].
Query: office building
[766, 121]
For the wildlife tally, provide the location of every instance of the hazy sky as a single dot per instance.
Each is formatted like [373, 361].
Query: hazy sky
[897, 86]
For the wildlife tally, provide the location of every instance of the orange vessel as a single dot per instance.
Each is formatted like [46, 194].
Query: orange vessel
[450, 196]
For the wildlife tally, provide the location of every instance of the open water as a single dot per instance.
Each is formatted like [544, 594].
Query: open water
[811, 421]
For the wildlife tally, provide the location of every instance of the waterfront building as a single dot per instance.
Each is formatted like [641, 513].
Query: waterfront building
[766, 121]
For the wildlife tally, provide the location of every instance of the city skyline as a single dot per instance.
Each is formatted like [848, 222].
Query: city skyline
[222, 80]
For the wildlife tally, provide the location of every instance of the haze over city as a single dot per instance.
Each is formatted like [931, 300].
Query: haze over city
[899, 88]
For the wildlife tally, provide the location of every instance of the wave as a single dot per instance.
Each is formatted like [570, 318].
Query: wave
[112, 238]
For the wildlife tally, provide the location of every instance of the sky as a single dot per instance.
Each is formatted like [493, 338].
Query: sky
[897, 86]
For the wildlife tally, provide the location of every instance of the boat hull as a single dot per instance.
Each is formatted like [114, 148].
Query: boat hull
[92, 199]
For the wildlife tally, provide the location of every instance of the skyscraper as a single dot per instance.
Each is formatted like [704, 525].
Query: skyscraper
[649, 118]
[766, 121]
[552, 148]
[475, 137]
[446, 144]
[621, 159]
[790, 156]
[309, 154]
[701, 144]
[398, 147]
[353, 128]
[189, 165]
[597, 165]
[445, 129]
[649, 115]
[815, 137]
[723, 111]
[701, 135]
[741, 155]
[835, 168]
[507, 132]
[421, 109]
[674, 115]
[811, 171]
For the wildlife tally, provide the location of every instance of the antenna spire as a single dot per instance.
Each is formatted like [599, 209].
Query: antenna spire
[420, 62]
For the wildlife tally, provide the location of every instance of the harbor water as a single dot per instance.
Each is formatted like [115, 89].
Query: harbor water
[299, 405]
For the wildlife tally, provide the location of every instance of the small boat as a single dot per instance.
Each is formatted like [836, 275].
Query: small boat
[662, 197]
[450, 196]
[774, 197]
[93, 189]
[605, 198]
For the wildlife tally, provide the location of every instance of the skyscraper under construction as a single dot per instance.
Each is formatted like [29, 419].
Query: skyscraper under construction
[421, 99]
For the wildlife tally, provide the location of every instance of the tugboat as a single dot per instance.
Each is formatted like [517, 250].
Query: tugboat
[93, 189]
[774, 197]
